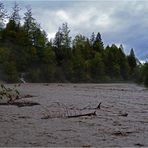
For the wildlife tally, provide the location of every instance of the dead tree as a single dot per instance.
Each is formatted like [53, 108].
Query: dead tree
[88, 114]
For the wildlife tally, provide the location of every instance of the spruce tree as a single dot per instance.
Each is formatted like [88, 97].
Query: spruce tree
[98, 43]
[132, 60]
[62, 43]
[15, 17]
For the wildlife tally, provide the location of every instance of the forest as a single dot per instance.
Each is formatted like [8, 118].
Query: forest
[25, 51]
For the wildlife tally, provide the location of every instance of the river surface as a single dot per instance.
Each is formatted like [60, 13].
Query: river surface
[121, 121]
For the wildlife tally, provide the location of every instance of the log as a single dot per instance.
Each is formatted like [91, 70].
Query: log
[21, 104]
[124, 114]
[80, 115]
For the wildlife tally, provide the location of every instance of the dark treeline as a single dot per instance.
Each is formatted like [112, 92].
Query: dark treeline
[25, 50]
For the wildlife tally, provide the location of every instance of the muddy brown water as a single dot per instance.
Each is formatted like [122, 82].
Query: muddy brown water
[121, 121]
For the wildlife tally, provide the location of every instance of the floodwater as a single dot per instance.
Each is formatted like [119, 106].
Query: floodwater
[121, 121]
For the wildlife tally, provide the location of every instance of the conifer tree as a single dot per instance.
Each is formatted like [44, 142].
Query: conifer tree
[15, 17]
[132, 60]
[98, 44]
[62, 42]
[3, 15]
[29, 21]
[92, 39]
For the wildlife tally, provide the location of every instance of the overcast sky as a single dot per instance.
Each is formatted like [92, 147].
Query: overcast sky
[119, 21]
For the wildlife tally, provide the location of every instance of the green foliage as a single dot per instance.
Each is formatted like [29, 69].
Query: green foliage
[146, 80]
[11, 94]
[11, 72]
[78, 69]
[116, 63]
[141, 74]
[138, 74]
[24, 48]
[97, 67]
[15, 17]
[48, 56]
[4, 54]
[132, 61]
[48, 73]
[145, 74]
[98, 44]
[34, 75]
[62, 43]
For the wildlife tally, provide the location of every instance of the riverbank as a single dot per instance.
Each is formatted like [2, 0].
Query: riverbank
[122, 119]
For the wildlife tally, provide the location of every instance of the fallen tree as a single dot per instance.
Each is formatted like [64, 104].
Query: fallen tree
[21, 104]
[60, 110]
[80, 115]
[12, 95]
[9, 94]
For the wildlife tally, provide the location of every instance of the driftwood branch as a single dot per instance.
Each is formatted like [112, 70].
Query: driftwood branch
[99, 106]
[21, 104]
[88, 114]
[59, 110]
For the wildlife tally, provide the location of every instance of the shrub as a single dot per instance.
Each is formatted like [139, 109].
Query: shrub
[8, 93]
